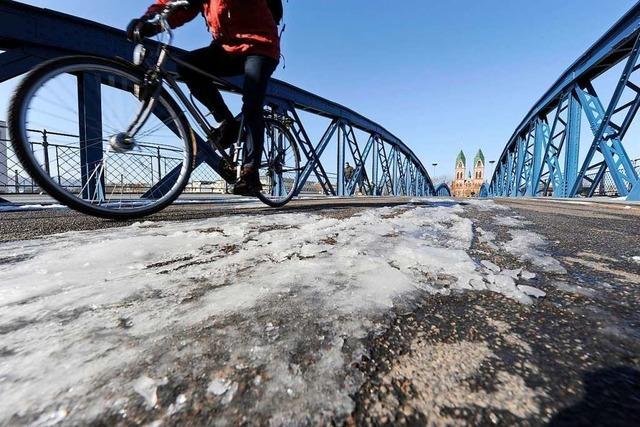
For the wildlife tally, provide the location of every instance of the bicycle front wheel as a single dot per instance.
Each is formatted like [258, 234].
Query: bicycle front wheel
[63, 120]
[280, 166]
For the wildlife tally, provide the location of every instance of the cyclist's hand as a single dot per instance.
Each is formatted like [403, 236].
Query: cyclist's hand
[145, 29]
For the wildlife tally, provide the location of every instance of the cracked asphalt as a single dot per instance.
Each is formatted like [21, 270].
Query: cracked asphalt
[467, 358]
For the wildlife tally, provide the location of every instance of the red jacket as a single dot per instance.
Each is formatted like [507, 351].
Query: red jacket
[243, 27]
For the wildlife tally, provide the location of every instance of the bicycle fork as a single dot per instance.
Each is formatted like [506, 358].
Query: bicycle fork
[148, 92]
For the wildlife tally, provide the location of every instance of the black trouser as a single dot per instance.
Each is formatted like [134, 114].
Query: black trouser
[257, 70]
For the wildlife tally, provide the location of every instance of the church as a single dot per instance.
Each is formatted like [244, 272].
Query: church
[468, 185]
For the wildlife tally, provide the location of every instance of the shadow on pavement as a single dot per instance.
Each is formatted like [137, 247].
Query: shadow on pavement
[612, 398]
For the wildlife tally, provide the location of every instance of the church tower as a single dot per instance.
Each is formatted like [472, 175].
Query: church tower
[478, 167]
[461, 166]
[458, 187]
[468, 184]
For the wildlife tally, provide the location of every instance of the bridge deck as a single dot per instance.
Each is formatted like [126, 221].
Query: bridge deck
[283, 349]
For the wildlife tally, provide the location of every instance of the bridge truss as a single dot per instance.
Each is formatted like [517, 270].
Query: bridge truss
[382, 163]
[545, 157]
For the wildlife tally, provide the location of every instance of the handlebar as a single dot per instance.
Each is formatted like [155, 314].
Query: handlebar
[162, 19]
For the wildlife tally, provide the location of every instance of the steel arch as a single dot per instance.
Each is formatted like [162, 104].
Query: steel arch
[542, 156]
[443, 190]
[385, 165]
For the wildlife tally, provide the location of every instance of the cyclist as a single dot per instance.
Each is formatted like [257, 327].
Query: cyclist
[246, 41]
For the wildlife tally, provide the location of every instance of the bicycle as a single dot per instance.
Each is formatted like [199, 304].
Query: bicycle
[130, 168]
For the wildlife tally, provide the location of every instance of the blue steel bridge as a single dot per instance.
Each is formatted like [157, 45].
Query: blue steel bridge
[383, 164]
[549, 154]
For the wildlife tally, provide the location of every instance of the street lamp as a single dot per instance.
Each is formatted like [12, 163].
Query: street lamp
[434, 169]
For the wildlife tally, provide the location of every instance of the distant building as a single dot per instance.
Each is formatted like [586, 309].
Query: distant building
[468, 184]
[212, 187]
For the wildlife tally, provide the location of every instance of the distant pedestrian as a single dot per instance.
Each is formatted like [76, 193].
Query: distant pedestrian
[348, 172]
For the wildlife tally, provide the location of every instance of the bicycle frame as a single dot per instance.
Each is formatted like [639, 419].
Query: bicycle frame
[198, 116]
[156, 76]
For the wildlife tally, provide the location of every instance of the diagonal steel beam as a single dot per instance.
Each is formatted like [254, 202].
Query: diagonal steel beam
[360, 171]
[360, 176]
[553, 178]
[540, 141]
[607, 136]
[607, 142]
[385, 161]
[313, 155]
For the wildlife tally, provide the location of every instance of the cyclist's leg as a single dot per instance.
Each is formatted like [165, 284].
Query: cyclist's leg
[257, 71]
[214, 60]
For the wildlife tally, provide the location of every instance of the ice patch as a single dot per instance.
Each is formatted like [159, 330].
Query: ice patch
[491, 266]
[636, 259]
[531, 291]
[218, 387]
[51, 419]
[485, 205]
[230, 394]
[102, 300]
[529, 247]
[177, 405]
[148, 389]
[506, 285]
[488, 238]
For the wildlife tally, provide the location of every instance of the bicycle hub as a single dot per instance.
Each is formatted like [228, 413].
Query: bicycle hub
[122, 142]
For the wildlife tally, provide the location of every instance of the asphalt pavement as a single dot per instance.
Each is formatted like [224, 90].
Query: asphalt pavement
[451, 358]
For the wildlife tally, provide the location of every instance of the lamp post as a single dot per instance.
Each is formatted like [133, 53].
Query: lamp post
[434, 169]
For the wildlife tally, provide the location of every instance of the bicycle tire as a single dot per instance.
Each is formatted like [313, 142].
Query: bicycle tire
[270, 123]
[22, 147]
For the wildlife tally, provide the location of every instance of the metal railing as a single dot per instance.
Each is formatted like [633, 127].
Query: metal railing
[132, 173]
[607, 187]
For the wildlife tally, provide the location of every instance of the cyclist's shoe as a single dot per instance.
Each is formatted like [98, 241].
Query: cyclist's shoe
[226, 134]
[228, 172]
[249, 183]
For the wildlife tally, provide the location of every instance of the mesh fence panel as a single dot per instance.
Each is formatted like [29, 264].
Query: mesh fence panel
[13, 178]
[205, 180]
[130, 173]
[608, 186]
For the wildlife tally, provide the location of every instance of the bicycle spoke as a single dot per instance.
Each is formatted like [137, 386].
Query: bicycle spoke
[86, 170]
[280, 165]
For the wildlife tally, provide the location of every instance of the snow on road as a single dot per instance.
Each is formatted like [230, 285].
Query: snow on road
[91, 321]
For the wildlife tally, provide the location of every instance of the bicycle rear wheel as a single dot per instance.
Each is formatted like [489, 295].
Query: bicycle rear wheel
[62, 119]
[280, 166]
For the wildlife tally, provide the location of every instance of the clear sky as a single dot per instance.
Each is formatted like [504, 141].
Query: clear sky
[443, 76]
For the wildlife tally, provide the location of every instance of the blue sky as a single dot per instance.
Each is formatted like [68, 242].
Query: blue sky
[443, 76]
